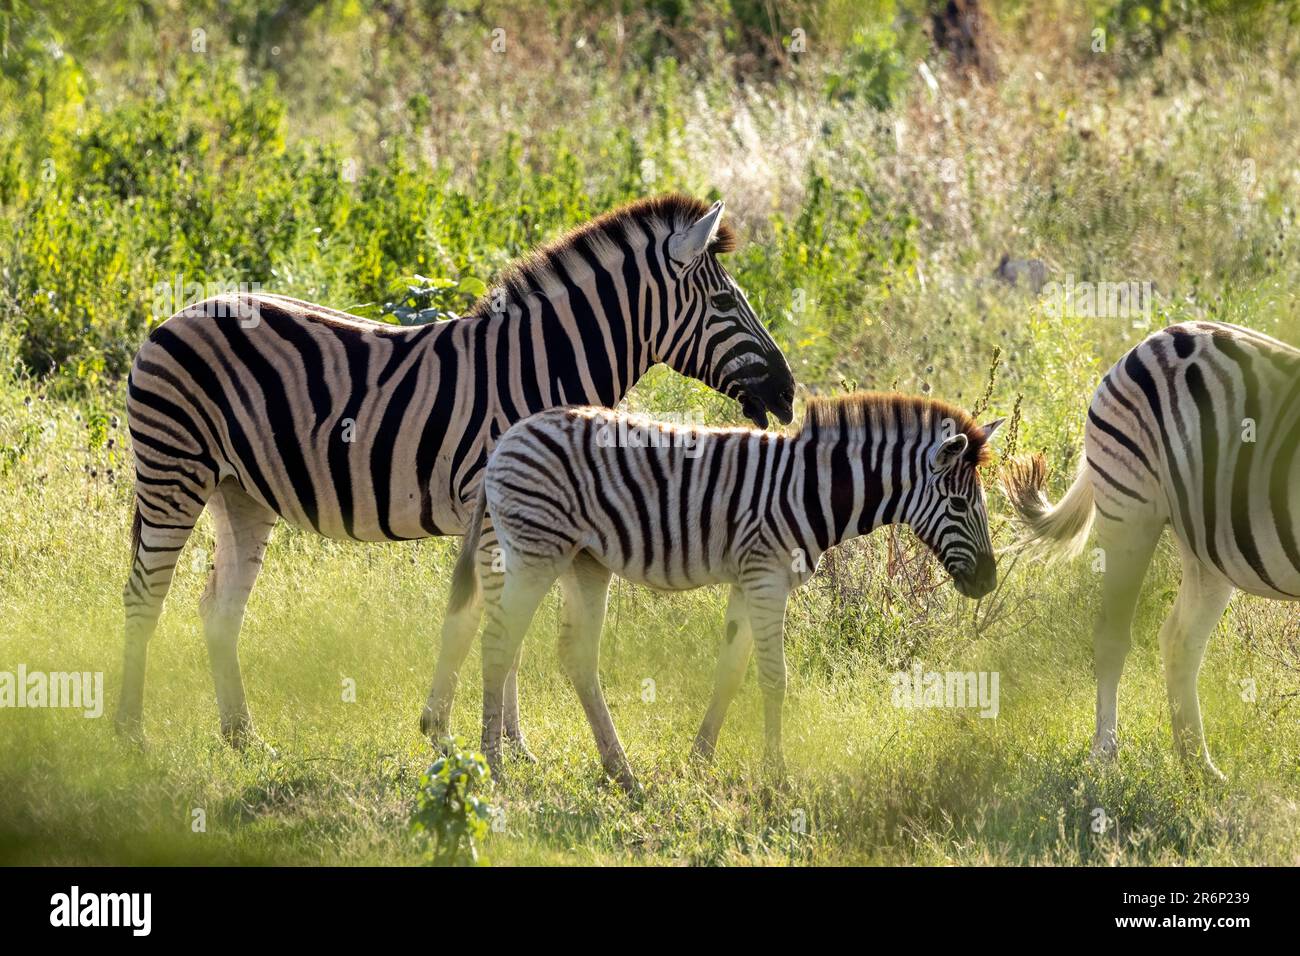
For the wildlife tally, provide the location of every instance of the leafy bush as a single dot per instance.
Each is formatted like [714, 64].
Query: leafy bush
[196, 185]
[423, 299]
[817, 274]
[450, 816]
[1144, 27]
[875, 69]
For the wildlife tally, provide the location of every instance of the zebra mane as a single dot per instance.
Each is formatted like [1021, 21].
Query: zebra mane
[538, 272]
[881, 411]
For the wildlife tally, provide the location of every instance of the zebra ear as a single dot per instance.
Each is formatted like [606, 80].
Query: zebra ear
[947, 453]
[690, 245]
[990, 428]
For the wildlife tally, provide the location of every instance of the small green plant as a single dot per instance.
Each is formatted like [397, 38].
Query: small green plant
[422, 299]
[982, 405]
[449, 815]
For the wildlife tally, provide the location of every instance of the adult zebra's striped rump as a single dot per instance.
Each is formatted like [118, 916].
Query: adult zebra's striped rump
[263, 407]
[1197, 427]
[586, 492]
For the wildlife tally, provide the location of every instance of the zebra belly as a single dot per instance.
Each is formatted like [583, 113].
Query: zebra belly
[661, 581]
[670, 575]
[364, 491]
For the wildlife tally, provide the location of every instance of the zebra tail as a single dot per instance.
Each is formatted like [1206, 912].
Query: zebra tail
[464, 579]
[1054, 531]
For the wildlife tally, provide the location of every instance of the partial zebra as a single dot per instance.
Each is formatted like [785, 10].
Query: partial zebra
[681, 508]
[264, 407]
[1197, 427]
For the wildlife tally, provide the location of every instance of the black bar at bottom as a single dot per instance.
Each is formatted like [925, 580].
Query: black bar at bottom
[334, 905]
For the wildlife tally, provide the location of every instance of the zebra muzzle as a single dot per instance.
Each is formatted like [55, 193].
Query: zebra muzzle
[776, 397]
[978, 582]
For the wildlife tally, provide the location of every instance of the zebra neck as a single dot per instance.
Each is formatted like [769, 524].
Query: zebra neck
[572, 341]
[849, 484]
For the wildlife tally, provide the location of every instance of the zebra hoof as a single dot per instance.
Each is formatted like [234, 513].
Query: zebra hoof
[430, 726]
[254, 746]
[130, 730]
[1213, 773]
[241, 737]
[627, 782]
[1105, 749]
[519, 750]
[1204, 767]
[702, 752]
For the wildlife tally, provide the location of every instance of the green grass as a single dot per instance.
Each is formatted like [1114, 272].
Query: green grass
[871, 223]
[874, 783]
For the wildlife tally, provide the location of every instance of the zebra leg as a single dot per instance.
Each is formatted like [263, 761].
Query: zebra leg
[459, 628]
[732, 662]
[507, 622]
[158, 535]
[767, 619]
[514, 735]
[243, 527]
[1126, 549]
[458, 631]
[586, 591]
[1201, 601]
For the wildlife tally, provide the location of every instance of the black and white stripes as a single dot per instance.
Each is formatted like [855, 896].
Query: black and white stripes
[263, 407]
[1197, 427]
[687, 507]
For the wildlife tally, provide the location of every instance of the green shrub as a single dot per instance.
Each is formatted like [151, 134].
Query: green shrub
[1143, 28]
[816, 276]
[450, 816]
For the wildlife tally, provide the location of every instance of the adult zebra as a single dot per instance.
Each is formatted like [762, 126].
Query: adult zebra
[266, 407]
[1197, 427]
[680, 508]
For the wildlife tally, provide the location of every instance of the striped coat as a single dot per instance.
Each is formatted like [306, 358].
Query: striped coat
[1197, 428]
[264, 407]
[679, 508]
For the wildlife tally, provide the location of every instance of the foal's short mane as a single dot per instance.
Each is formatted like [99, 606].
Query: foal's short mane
[537, 270]
[870, 410]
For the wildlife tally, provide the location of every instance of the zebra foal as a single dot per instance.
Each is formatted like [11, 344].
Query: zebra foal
[1198, 428]
[689, 507]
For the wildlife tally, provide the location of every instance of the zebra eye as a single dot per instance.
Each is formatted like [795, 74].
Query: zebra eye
[959, 506]
[724, 302]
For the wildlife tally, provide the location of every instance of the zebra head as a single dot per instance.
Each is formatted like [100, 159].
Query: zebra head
[716, 337]
[953, 520]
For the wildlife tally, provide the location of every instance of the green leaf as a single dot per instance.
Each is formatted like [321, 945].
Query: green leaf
[472, 285]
